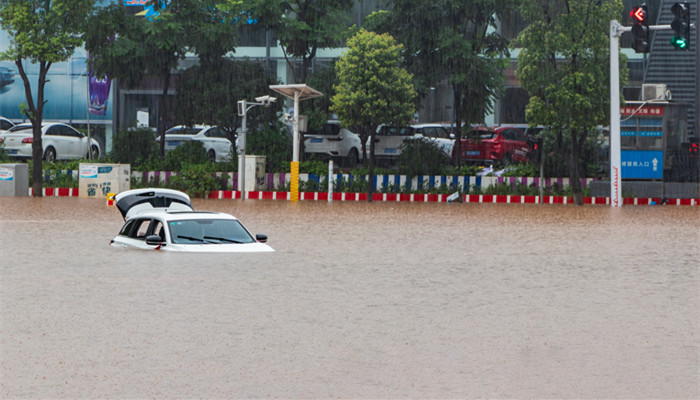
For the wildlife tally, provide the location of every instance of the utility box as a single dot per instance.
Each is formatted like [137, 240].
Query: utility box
[255, 173]
[97, 180]
[14, 180]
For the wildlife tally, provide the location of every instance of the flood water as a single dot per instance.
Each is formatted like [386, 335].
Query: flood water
[380, 300]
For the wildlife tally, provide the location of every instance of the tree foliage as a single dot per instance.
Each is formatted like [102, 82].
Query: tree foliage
[130, 48]
[210, 93]
[302, 27]
[373, 88]
[42, 32]
[564, 66]
[455, 41]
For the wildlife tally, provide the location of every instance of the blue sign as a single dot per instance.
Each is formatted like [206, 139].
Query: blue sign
[642, 164]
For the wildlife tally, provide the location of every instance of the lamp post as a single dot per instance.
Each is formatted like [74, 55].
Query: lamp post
[243, 107]
[296, 92]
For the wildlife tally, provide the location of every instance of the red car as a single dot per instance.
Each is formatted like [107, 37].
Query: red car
[501, 144]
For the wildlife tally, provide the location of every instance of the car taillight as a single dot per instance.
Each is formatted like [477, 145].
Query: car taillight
[28, 140]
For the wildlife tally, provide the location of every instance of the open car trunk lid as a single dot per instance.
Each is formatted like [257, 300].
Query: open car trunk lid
[135, 201]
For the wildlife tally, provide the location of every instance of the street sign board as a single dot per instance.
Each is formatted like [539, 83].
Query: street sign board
[642, 164]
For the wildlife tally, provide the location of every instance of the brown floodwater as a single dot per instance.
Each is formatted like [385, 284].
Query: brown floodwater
[378, 300]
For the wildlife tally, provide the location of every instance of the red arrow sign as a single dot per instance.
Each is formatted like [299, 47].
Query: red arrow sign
[638, 14]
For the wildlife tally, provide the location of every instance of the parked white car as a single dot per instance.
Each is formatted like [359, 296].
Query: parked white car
[59, 142]
[388, 139]
[214, 139]
[438, 134]
[336, 142]
[163, 219]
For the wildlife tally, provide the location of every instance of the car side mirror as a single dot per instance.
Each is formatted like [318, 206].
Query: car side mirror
[261, 238]
[155, 240]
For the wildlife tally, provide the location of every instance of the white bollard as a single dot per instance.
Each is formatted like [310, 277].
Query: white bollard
[330, 180]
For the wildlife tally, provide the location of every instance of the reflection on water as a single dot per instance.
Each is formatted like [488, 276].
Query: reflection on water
[377, 300]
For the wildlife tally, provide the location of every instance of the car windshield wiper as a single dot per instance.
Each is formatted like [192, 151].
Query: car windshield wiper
[221, 239]
[194, 239]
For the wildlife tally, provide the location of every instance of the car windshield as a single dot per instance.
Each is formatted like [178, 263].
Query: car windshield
[208, 231]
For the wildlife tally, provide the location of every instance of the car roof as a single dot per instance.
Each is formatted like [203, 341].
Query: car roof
[180, 215]
[25, 125]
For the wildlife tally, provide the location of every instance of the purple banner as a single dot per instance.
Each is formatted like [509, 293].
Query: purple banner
[99, 94]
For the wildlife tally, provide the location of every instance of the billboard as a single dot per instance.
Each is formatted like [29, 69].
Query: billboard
[67, 91]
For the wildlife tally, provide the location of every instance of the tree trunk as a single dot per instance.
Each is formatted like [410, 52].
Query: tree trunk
[164, 112]
[370, 178]
[457, 153]
[35, 112]
[575, 170]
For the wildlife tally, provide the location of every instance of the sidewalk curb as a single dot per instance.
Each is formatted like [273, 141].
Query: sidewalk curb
[407, 197]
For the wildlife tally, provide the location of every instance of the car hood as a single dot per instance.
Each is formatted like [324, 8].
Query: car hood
[132, 202]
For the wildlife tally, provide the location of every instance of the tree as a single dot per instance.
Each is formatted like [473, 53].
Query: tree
[564, 66]
[302, 27]
[373, 89]
[131, 48]
[42, 32]
[210, 93]
[453, 40]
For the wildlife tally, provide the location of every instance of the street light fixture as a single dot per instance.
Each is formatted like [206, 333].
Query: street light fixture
[243, 108]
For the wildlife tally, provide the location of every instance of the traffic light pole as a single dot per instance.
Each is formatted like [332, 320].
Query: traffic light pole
[616, 30]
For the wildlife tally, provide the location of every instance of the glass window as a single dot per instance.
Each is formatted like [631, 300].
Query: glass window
[54, 131]
[141, 228]
[208, 231]
[127, 227]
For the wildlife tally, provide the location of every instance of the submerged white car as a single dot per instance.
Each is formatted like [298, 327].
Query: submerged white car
[163, 219]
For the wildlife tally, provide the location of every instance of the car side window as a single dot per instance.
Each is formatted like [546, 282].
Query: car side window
[5, 125]
[126, 229]
[72, 132]
[159, 229]
[54, 131]
[140, 229]
[215, 132]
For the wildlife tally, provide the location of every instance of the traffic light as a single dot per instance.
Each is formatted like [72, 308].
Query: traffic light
[535, 144]
[681, 25]
[640, 28]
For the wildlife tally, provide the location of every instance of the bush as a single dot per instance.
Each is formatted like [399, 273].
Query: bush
[134, 147]
[197, 180]
[187, 154]
[421, 157]
[274, 144]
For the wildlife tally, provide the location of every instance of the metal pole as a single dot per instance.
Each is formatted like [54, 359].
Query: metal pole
[294, 184]
[330, 180]
[615, 158]
[241, 153]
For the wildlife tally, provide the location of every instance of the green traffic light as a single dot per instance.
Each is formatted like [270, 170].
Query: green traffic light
[679, 42]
